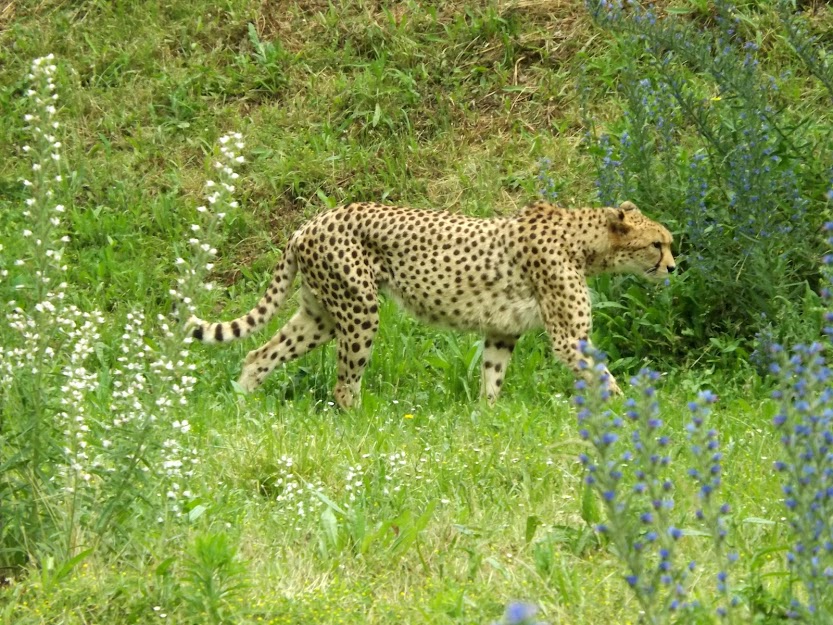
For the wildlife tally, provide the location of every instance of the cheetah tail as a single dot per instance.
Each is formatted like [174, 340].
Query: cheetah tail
[258, 316]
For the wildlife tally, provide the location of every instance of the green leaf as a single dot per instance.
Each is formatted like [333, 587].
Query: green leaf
[466, 531]
[329, 502]
[498, 566]
[328, 201]
[330, 525]
[67, 567]
[381, 534]
[422, 521]
[615, 305]
[532, 524]
[253, 37]
[358, 526]
[164, 566]
[589, 506]
[196, 512]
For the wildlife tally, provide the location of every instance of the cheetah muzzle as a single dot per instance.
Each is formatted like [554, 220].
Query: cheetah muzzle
[500, 276]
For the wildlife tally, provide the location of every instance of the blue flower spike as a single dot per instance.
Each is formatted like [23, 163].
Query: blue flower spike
[520, 613]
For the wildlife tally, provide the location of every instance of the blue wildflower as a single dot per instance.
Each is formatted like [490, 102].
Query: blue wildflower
[519, 613]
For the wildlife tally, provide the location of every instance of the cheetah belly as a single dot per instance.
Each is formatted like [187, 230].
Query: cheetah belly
[519, 316]
[492, 313]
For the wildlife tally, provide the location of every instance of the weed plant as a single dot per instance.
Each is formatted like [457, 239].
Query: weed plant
[91, 430]
[640, 524]
[706, 139]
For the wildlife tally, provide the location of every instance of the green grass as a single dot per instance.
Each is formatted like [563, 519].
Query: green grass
[445, 108]
[486, 475]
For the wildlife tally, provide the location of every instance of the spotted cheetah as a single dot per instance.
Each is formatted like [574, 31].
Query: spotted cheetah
[501, 276]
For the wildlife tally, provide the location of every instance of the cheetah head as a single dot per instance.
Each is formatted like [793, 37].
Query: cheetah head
[637, 244]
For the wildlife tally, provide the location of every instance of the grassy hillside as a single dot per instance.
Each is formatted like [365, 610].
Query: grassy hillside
[121, 504]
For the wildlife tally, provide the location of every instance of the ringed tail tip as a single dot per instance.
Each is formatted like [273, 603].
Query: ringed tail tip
[194, 327]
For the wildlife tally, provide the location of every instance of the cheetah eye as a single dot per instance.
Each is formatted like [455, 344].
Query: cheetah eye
[658, 245]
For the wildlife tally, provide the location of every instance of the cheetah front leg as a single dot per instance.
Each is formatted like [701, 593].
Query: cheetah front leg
[497, 350]
[566, 347]
[354, 337]
[568, 323]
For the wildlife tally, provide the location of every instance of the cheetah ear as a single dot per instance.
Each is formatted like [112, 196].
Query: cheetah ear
[627, 205]
[616, 221]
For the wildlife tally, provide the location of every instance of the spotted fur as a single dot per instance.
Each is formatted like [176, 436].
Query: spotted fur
[501, 277]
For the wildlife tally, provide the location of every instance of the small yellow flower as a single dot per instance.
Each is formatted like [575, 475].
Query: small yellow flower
[716, 98]
[409, 416]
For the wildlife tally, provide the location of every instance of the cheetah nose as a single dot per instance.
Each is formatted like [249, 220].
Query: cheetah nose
[672, 268]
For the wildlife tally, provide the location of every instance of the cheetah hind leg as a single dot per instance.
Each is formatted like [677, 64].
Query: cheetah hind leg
[309, 328]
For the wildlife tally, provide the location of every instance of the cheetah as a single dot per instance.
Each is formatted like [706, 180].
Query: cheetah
[501, 276]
